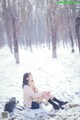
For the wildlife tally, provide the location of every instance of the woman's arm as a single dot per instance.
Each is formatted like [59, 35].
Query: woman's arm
[35, 88]
[32, 84]
[28, 91]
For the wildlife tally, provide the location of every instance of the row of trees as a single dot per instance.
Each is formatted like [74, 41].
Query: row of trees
[36, 22]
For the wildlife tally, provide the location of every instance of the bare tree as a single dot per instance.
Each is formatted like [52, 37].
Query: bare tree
[78, 31]
[9, 16]
[52, 14]
[2, 35]
[38, 22]
[15, 27]
[7, 22]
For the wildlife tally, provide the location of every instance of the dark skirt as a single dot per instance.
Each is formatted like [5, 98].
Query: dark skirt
[35, 105]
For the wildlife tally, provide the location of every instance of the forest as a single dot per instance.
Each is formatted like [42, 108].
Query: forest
[41, 38]
[47, 23]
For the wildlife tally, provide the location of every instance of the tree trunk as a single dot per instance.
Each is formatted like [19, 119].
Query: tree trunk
[54, 44]
[0, 44]
[15, 41]
[78, 31]
[72, 42]
[7, 23]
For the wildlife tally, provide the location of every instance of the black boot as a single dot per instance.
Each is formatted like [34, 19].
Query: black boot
[55, 106]
[60, 102]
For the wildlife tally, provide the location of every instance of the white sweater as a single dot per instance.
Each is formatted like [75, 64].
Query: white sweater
[29, 95]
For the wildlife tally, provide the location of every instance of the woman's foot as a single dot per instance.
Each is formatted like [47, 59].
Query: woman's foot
[63, 103]
[62, 108]
[55, 106]
[60, 102]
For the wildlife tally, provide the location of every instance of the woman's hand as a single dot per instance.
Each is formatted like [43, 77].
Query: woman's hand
[45, 93]
[31, 82]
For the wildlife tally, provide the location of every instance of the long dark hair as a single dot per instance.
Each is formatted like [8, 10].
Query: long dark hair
[25, 81]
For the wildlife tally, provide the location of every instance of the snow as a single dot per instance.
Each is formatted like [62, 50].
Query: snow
[60, 76]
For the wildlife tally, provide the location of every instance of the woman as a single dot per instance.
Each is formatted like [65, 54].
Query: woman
[32, 97]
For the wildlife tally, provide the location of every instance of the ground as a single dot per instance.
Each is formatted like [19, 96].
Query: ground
[60, 76]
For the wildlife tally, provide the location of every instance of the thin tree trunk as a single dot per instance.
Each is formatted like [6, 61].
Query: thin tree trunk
[54, 44]
[6, 20]
[72, 42]
[15, 41]
[78, 31]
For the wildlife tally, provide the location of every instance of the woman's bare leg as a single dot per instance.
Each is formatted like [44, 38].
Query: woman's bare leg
[40, 99]
[47, 95]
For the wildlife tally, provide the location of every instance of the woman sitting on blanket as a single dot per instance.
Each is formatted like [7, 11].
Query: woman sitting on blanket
[32, 97]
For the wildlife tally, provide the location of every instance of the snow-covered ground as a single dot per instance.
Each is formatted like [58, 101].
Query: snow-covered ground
[61, 76]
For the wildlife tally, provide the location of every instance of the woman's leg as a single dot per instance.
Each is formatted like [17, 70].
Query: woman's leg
[48, 98]
[59, 101]
[56, 100]
[40, 99]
